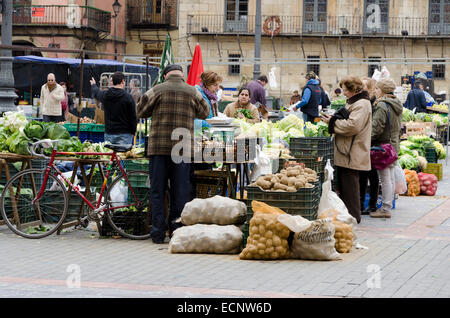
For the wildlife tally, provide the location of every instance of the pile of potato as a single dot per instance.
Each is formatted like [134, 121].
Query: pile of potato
[289, 179]
[343, 233]
[268, 237]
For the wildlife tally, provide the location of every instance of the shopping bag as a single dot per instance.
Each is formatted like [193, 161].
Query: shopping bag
[262, 164]
[330, 200]
[400, 180]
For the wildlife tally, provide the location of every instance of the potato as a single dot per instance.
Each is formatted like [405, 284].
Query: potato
[276, 240]
[283, 172]
[269, 243]
[292, 181]
[275, 255]
[261, 252]
[264, 184]
[267, 177]
[256, 237]
[285, 180]
[291, 189]
[269, 250]
[268, 234]
[262, 240]
[279, 186]
[254, 230]
[261, 246]
[293, 173]
[280, 249]
[299, 184]
[262, 229]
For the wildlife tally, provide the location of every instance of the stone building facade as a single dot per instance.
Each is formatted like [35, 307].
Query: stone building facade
[363, 32]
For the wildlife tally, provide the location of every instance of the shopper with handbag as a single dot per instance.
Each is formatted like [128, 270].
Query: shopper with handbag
[351, 126]
[386, 125]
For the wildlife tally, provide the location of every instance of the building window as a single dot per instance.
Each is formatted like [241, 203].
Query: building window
[439, 17]
[315, 16]
[375, 66]
[234, 69]
[311, 66]
[438, 69]
[236, 16]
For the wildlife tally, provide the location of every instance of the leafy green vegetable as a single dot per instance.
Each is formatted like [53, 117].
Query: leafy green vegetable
[35, 130]
[407, 161]
[13, 121]
[310, 130]
[408, 115]
[290, 121]
[423, 117]
[17, 143]
[55, 131]
[440, 150]
[246, 112]
[322, 129]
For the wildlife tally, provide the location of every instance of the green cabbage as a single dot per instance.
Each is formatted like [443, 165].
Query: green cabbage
[423, 117]
[290, 121]
[55, 132]
[439, 150]
[408, 115]
[17, 143]
[35, 130]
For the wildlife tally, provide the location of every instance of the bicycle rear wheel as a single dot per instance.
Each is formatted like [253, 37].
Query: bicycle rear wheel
[28, 219]
[129, 205]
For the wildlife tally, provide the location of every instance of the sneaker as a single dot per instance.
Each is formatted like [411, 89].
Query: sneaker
[380, 214]
[367, 210]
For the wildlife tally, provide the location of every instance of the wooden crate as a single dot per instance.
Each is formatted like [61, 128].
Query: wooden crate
[413, 128]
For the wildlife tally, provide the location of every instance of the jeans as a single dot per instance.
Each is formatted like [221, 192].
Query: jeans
[309, 118]
[119, 139]
[387, 178]
[162, 169]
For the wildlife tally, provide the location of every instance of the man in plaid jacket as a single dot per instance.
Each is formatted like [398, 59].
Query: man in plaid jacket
[172, 105]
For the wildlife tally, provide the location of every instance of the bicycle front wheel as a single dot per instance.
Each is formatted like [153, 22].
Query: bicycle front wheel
[41, 218]
[129, 205]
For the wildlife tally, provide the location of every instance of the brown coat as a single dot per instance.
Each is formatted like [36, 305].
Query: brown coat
[172, 104]
[231, 109]
[359, 125]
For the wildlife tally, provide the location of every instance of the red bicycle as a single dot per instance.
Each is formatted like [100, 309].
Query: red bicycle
[35, 202]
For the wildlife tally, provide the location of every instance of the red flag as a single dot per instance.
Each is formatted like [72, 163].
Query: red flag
[196, 68]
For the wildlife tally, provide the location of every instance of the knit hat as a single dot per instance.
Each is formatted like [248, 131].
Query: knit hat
[310, 75]
[171, 67]
[386, 85]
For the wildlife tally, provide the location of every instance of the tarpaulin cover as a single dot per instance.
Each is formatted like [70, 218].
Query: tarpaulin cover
[31, 71]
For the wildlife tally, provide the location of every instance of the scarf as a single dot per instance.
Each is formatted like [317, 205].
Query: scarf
[50, 88]
[212, 98]
[358, 96]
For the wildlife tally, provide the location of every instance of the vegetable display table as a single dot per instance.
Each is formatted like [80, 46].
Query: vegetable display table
[7, 158]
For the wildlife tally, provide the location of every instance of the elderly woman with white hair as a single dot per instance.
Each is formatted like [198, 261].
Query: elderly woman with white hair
[386, 125]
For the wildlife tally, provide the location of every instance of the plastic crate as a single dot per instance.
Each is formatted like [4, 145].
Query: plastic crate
[72, 127]
[434, 168]
[312, 146]
[246, 232]
[431, 155]
[136, 165]
[304, 202]
[130, 221]
[96, 128]
[84, 135]
[96, 137]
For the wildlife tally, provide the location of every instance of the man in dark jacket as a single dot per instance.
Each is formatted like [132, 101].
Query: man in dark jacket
[173, 105]
[416, 99]
[258, 95]
[120, 110]
[311, 98]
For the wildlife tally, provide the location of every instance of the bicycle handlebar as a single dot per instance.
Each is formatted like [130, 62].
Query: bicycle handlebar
[46, 143]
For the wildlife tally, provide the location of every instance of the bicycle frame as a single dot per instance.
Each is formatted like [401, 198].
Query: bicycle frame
[113, 158]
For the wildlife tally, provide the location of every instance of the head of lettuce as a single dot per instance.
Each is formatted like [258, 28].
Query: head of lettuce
[35, 130]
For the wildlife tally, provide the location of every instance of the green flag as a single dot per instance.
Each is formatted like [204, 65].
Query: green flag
[166, 58]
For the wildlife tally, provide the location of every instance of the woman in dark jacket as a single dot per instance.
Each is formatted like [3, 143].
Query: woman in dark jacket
[372, 175]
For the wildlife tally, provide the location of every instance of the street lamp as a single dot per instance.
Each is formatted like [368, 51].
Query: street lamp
[116, 8]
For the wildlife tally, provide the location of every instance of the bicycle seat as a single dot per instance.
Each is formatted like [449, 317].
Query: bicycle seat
[119, 148]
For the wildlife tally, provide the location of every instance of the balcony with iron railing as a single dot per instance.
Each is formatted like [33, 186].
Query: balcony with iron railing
[153, 15]
[71, 16]
[331, 26]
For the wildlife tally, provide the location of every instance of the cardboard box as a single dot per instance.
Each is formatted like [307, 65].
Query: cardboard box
[99, 117]
[414, 128]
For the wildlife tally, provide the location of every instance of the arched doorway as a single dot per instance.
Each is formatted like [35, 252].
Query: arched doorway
[25, 52]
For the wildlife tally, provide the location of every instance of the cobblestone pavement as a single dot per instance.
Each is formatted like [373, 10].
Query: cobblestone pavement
[407, 256]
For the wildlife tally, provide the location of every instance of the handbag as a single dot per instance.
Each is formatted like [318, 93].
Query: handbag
[384, 155]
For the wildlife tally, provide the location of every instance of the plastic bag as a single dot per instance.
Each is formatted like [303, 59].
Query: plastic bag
[385, 73]
[67, 175]
[216, 210]
[207, 238]
[376, 75]
[400, 180]
[330, 200]
[262, 164]
[295, 223]
[119, 194]
[272, 78]
[316, 243]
